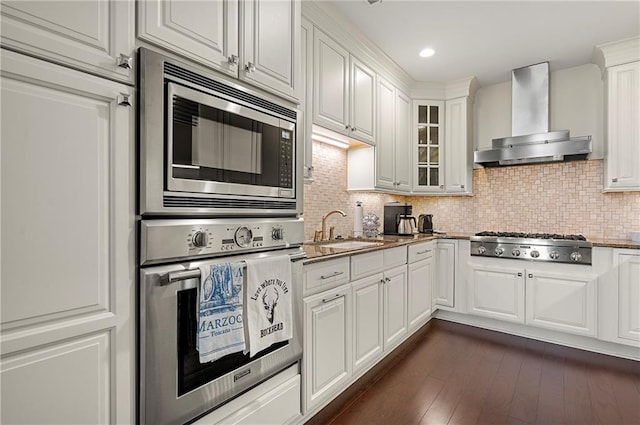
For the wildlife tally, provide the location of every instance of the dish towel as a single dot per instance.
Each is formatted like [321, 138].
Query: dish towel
[220, 327]
[268, 302]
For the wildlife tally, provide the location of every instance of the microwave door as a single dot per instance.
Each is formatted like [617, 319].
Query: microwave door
[216, 146]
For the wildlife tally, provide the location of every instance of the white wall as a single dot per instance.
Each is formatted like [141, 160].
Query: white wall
[576, 104]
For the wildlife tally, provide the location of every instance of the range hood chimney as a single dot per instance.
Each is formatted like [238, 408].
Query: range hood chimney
[531, 141]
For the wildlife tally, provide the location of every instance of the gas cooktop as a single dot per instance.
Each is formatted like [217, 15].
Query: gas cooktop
[551, 247]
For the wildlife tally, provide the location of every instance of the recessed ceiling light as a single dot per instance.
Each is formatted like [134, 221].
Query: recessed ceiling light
[425, 53]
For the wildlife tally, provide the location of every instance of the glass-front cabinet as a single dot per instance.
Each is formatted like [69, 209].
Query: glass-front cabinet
[428, 132]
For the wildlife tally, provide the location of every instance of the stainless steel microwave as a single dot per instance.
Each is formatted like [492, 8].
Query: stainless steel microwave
[210, 146]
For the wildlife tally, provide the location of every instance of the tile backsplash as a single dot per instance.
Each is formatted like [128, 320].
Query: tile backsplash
[556, 198]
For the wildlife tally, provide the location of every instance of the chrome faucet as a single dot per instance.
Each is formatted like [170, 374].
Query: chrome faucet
[323, 232]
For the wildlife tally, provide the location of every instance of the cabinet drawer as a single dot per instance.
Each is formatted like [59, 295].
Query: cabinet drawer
[395, 257]
[325, 275]
[421, 251]
[364, 265]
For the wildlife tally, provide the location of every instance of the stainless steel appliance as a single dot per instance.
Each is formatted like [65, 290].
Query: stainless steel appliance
[406, 225]
[425, 223]
[174, 386]
[531, 140]
[392, 210]
[574, 249]
[209, 146]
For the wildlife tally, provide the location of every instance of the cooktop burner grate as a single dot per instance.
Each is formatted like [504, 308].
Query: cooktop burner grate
[520, 235]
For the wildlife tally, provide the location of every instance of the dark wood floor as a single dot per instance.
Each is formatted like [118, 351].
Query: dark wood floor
[455, 374]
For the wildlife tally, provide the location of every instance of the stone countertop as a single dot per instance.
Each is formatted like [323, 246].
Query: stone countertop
[320, 251]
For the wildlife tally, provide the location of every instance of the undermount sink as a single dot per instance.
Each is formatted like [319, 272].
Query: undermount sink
[351, 244]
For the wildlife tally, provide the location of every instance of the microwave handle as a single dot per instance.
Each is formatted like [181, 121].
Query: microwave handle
[195, 273]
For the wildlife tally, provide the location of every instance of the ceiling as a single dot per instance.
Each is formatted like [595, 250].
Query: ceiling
[488, 39]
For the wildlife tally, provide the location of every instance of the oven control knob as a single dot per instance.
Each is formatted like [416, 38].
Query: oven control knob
[535, 254]
[482, 250]
[499, 251]
[515, 252]
[554, 255]
[200, 239]
[276, 234]
[243, 236]
[576, 257]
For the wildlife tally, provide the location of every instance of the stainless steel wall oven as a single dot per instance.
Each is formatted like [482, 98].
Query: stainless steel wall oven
[175, 386]
[209, 146]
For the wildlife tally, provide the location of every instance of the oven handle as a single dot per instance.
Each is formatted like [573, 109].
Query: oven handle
[195, 273]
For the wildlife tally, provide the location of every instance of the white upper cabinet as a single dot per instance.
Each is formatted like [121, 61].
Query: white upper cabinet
[255, 40]
[458, 149]
[393, 154]
[344, 90]
[92, 35]
[270, 44]
[306, 96]
[620, 65]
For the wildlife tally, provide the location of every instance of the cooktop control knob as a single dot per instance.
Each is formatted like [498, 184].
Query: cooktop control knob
[276, 234]
[576, 257]
[482, 250]
[243, 236]
[535, 254]
[515, 252]
[554, 255]
[200, 239]
[499, 250]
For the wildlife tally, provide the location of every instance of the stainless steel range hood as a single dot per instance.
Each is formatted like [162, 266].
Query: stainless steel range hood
[531, 141]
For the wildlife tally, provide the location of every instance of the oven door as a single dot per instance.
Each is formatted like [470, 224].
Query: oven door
[220, 147]
[174, 386]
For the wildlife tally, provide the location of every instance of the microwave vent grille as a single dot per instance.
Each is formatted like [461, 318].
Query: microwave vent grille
[185, 201]
[184, 74]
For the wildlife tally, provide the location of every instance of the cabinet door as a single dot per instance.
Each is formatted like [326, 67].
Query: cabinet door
[362, 96]
[403, 142]
[420, 280]
[458, 150]
[386, 133]
[206, 32]
[330, 83]
[496, 293]
[367, 321]
[306, 94]
[623, 128]
[90, 35]
[395, 306]
[327, 344]
[270, 48]
[67, 167]
[564, 302]
[445, 269]
[426, 145]
[628, 296]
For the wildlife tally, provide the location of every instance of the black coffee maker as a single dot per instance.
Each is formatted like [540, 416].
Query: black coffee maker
[391, 212]
[425, 223]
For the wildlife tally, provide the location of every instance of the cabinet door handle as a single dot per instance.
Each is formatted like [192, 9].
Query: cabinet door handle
[423, 252]
[441, 186]
[346, 127]
[614, 180]
[250, 67]
[233, 59]
[331, 275]
[124, 61]
[353, 129]
[530, 275]
[335, 297]
[123, 99]
[461, 186]
[386, 279]
[519, 274]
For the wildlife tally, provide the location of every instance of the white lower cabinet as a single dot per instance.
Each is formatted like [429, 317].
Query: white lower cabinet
[627, 263]
[496, 293]
[395, 306]
[327, 344]
[445, 273]
[562, 301]
[421, 271]
[368, 339]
